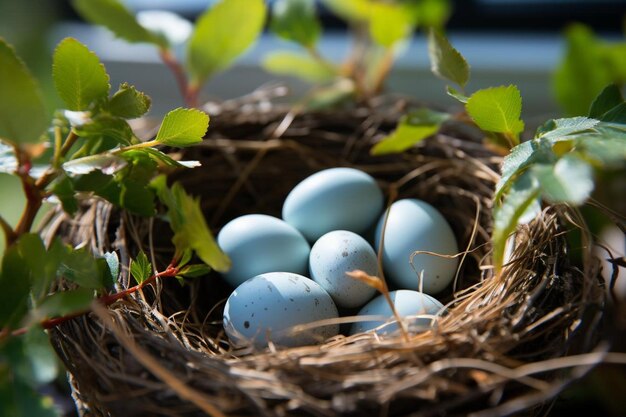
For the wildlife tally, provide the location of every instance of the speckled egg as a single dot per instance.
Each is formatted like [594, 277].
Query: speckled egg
[414, 225]
[333, 199]
[407, 303]
[257, 243]
[333, 255]
[267, 306]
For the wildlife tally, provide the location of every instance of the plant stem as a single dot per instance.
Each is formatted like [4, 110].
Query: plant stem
[315, 53]
[383, 71]
[105, 300]
[177, 69]
[141, 145]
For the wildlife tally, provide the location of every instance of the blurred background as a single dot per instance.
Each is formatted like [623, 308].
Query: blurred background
[505, 41]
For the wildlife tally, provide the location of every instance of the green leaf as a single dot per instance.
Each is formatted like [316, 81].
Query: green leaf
[561, 129]
[523, 194]
[298, 65]
[128, 103]
[63, 303]
[22, 114]
[350, 10]
[113, 263]
[137, 198]
[570, 180]
[430, 13]
[31, 357]
[581, 75]
[221, 34]
[79, 77]
[445, 61]
[194, 271]
[616, 115]
[497, 109]
[296, 21]
[327, 97]
[108, 127]
[166, 160]
[608, 99]
[189, 226]
[141, 268]
[106, 163]
[63, 189]
[457, 95]
[80, 267]
[412, 129]
[183, 127]
[16, 285]
[389, 23]
[118, 19]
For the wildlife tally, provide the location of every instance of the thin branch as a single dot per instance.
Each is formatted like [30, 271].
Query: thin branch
[169, 59]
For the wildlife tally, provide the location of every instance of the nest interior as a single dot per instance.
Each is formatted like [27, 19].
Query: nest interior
[163, 352]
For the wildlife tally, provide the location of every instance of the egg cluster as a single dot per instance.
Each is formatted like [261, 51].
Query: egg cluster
[340, 211]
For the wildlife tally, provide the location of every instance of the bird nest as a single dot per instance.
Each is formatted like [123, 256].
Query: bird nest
[503, 347]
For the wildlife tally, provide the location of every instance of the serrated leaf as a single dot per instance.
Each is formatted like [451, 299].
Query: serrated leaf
[194, 271]
[183, 127]
[189, 226]
[581, 75]
[457, 95]
[79, 77]
[497, 109]
[80, 267]
[63, 189]
[389, 24]
[105, 163]
[128, 102]
[22, 114]
[515, 204]
[570, 180]
[412, 129]
[222, 34]
[560, 129]
[445, 61]
[113, 15]
[298, 65]
[63, 303]
[296, 21]
[141, 268]
[609, 98]
[107, 127]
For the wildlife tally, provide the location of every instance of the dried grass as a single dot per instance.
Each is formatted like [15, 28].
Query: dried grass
[505, 345]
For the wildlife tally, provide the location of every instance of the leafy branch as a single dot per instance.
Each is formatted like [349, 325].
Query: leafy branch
[380, 29]
[557, 166]
[221, 34]
[95, 153]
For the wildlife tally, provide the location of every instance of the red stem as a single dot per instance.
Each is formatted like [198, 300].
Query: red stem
[177, 69]
[106, 300]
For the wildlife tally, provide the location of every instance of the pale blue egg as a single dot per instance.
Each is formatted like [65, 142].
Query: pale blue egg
[333, 255]
[333, 199]
[257, 243]
[268, 306]
[407, 303]
[414, 225]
